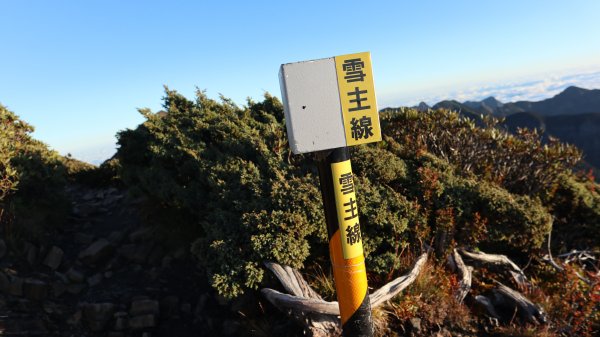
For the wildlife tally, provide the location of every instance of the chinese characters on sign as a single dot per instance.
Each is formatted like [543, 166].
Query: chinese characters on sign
[357, 98]
[345, 198]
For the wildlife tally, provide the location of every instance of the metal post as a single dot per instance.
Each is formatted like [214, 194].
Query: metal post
[345, 243]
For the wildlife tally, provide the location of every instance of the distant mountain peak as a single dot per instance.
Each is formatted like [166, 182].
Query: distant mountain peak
[492, 102]
[422, 106]
[571, 91]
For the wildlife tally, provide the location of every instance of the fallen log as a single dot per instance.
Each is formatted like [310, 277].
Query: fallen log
[529, 311]
[393, 288]
[320, 317]
[487, 304]
[581, 256]
[464, 272]
[501, 260]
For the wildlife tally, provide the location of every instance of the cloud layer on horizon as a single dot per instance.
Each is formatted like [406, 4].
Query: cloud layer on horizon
[512, 91]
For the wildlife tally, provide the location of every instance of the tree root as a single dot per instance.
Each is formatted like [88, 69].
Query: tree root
[320, 317]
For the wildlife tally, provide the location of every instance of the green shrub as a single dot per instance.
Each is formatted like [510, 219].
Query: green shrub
[520, 163]
[576, 207]
[226, 171]
[223, 177]
[32, 179]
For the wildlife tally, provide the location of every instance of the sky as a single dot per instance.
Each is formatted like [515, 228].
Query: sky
[79, 70]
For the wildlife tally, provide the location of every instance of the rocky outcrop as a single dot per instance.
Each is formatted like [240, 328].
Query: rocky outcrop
[106, 275]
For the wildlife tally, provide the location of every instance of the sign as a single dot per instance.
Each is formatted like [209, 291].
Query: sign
[347, 209]
[330, 103]
[357, 97]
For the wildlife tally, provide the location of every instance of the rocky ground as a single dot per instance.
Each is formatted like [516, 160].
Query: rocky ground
[104, 274]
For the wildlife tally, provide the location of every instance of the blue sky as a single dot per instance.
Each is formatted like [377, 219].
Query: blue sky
[77, 70]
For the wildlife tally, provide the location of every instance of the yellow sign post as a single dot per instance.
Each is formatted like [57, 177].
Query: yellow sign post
[357, 98]
[329, 105]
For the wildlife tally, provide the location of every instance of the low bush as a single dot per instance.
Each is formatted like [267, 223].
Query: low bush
[32, 180]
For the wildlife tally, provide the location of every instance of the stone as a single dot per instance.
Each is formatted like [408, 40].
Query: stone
[443, 333]
[180, 253]
[15, 287]
[141, 253]
[58, 289]
[201, 305]
[75, 275]
[84, 239]
[25, 305]
[142, 307]
[75, 289]
[4, 282]
[96, 252]
[54, 257]
[97, 315]
[3, 248]
[230, 327]
[31, 252]
[26, 327]
[121, 321]
[156, 255]
[140, 235]
[142, 322]
[115, 334]
[108, 274]
[75, 318]
[415, 325]
[186, 308]
[35, 289]
[94, 280]
[116, 237]
[169, 306]
[84, 210]
[62, 277]
[166, 262]
[53, 308]
[88, 196]
[127, 251]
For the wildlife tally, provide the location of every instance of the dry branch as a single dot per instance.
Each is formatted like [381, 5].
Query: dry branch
[464, 272]
[574, 255]
[531, 312]
[501, 260]
[487, 304]
[318, 316]
[393, 288]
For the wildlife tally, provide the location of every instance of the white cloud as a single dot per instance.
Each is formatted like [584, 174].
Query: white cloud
[95, 154]
[531, 89]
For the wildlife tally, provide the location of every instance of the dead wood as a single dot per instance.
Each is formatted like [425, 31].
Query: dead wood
[487, 304]
[500, 260]
[390, 290]
[464, 272]
[320, 317]
[530, 312]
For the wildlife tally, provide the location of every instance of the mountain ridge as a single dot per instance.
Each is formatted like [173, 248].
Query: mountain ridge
[573, 116]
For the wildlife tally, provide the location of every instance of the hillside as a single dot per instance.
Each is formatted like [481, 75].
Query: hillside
[572, 116]
[171, 236]
[571, 101]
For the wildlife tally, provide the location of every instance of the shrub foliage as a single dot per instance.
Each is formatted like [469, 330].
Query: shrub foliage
[223, 177]
[32, 179]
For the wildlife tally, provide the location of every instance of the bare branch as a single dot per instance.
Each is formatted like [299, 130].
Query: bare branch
[531, 312]
[487, 304]
[497, 259]
[464, 272]
[304, 299]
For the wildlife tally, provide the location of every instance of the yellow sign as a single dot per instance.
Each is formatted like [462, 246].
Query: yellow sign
[347, 209]
[357, 97]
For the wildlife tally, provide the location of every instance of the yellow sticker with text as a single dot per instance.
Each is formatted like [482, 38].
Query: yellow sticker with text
[347, 209]
[357, 98]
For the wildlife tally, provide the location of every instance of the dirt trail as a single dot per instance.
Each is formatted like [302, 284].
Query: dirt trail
[104, 274]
